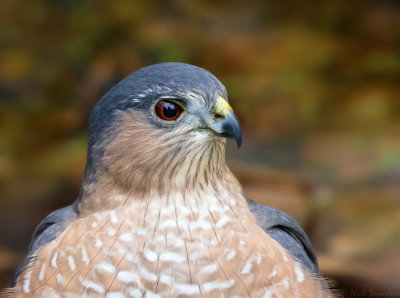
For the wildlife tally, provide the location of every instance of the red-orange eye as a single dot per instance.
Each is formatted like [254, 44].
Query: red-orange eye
[168, 110]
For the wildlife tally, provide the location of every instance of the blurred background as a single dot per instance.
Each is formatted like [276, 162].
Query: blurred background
[315, 84]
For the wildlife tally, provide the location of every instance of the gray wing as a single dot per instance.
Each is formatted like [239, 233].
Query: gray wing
[50, 227]
[287, 232]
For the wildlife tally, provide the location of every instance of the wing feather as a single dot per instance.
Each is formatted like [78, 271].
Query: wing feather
[50, 227]
[285, 230]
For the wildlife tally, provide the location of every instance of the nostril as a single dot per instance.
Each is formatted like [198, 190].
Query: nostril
[219, 116]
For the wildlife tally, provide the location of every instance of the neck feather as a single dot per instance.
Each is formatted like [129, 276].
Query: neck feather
[190, 168]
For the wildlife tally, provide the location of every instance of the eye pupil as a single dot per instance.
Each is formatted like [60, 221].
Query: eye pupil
[168, 110]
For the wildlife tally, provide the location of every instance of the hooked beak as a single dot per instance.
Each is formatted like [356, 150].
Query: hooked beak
[226, 125]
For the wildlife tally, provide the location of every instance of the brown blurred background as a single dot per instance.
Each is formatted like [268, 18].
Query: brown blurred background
[316, 85]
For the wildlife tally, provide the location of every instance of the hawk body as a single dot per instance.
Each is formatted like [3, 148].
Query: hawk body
[159, 213]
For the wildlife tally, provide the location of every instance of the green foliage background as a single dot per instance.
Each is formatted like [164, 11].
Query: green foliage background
[315, 84]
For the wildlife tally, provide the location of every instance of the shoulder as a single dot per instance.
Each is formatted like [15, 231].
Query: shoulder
[287, 232]
[52, 225]
[48, 229]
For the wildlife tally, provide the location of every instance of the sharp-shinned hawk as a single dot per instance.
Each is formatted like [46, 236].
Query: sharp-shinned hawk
[159, 213]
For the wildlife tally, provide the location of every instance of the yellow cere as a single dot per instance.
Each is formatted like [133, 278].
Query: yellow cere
[222, 107]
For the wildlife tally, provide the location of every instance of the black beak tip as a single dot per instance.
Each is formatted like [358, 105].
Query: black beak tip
[231, 129]
[239, 140]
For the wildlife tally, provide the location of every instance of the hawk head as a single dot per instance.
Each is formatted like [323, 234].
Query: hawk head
[162, 127]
